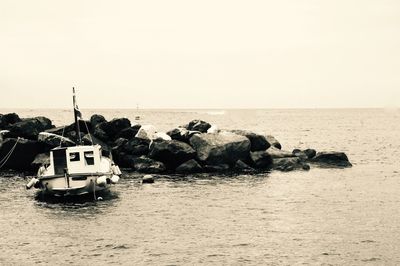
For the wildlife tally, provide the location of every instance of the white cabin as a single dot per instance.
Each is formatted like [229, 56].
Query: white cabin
[78, 160]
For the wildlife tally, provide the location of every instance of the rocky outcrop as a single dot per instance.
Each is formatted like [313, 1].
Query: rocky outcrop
[242, 166]
[258, 142]
[223, 148]
[305, 154]
[97, 119]
[171, 153]
[111, 129]
[22, 155]
[338, 159]
[189, 167]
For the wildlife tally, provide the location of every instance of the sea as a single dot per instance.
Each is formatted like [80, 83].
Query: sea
[318, 217]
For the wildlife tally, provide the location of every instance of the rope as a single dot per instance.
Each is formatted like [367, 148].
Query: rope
[8, 155]
[62, 136]
[90, 136]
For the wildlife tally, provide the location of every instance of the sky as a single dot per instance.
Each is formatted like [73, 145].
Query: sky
[200, 54]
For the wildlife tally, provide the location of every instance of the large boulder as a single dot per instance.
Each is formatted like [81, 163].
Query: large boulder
[277, 153]
[146, 132]
[261, 159]
[198, 125]
[111, 128]
[136, 146]
[188, 167]
[92, 140]
[172, 153]
[222, 148]
[129, 133]
[144, 164]
[272, 141]
[8, 119]
[97, 119]
[258, 142]
[51, 141]
[181, 134]
[41, 159]
[289, 164]
[22, 153]
[29, 128]
[338, 159]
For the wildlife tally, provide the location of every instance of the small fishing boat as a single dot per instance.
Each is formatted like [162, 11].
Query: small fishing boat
[76, 170]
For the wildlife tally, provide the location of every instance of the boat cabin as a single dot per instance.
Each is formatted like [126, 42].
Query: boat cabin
[75, 160]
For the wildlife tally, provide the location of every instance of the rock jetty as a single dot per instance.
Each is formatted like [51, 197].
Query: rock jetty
[196, 147]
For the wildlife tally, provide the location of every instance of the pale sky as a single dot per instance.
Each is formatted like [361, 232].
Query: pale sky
[200, 54]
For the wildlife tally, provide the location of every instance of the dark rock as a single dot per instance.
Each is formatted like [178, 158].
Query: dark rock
[198, 125]
[191, 166]
[277, 153]
[8, 119]
[273, 142]
[23, 155]
[128, 133]
[310, 153]
[258, 142]
[51, 141]
[137, 146]
[216, 168]
[92, 140]
[97, 119]
[261, 159]
[222, 148]
[147, 179]
[172, 153]
[178, 134]
[242, 166]
[41, 159]
[144, 164]
[46, 123]
[29, 128]
[339, 159]
[75, 138]
[100, 134]
[289, 164]
[113, 127]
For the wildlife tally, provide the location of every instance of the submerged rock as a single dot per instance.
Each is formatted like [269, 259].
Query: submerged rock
[222, 148]
[339, 159]
[188, 167]
[289, 164]
[147, 179]
[172, 153]
[305, 154]
[144, 164]
[261, 159]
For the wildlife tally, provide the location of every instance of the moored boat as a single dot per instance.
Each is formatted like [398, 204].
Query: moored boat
[76, 170]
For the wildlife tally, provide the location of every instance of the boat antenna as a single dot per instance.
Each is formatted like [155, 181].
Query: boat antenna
[77, 115]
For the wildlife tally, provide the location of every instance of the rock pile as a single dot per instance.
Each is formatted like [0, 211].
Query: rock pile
[193, 148]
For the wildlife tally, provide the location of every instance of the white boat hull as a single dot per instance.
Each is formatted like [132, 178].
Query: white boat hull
[71, 185]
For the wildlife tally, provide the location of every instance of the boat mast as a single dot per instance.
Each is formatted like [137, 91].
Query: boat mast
[76, 113]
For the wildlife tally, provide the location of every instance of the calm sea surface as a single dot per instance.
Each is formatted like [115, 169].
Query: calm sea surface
[324, 216]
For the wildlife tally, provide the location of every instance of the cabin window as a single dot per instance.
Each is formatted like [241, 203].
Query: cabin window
[89, 157]
[74, 156]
